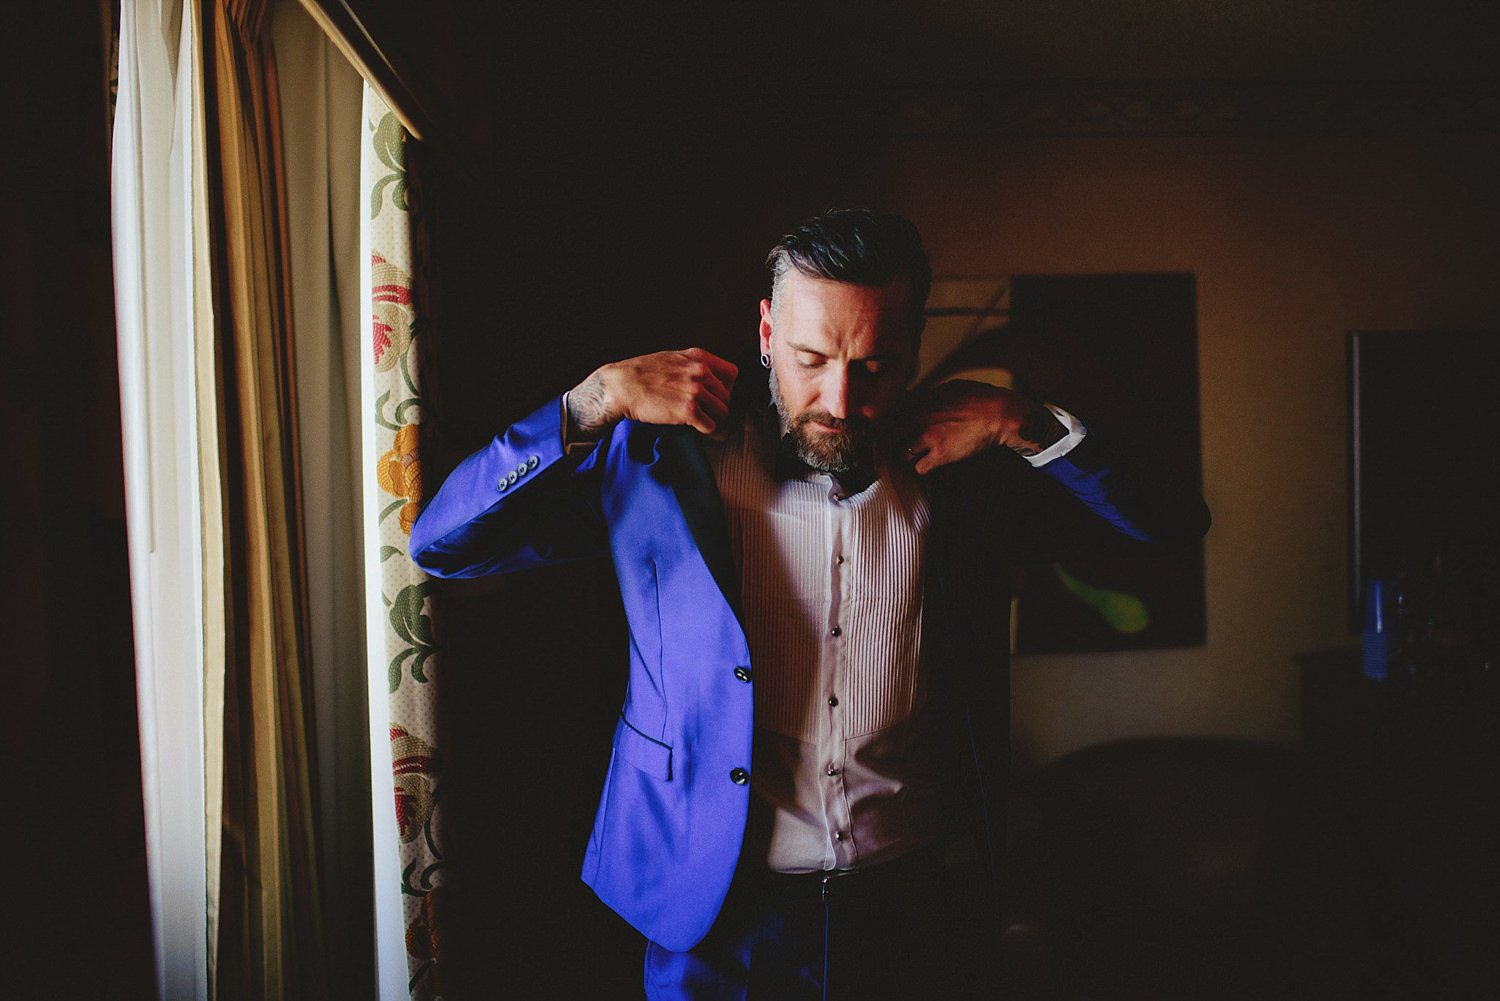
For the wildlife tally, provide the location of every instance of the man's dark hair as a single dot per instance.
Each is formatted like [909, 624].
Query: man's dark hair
[857, 247]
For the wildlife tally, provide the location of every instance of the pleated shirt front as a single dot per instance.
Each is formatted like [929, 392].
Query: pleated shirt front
[832, 595]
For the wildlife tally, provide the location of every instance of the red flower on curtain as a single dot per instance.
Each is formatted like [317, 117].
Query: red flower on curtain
[413, 761]
[391, 299]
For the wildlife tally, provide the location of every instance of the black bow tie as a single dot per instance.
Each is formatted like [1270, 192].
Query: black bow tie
[788, 465]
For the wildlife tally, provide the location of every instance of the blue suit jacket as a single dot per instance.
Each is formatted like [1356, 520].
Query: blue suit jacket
[671, 820]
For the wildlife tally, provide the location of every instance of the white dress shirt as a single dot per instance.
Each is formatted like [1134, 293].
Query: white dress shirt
[831, 584]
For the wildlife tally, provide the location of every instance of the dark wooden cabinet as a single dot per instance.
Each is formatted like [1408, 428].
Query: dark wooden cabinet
[1415, 762]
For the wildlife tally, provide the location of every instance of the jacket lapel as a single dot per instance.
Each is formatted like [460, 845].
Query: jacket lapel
[692, 479]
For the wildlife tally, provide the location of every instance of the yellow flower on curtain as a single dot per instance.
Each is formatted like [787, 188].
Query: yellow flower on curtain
[399, 473]
[426, 938]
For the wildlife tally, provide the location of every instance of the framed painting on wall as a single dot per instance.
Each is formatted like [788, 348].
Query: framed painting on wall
[1118, 351]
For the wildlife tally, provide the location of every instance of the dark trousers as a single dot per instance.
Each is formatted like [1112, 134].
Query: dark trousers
[906, 929]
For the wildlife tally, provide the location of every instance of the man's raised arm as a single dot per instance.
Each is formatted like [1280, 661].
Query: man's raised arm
[957, 419]
[1140, 505]
[669, 387]
[521, 501]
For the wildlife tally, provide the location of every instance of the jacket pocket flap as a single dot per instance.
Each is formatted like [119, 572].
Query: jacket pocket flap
[650, 756]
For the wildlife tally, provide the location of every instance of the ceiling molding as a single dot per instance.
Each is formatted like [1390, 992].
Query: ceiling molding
[1109, 109]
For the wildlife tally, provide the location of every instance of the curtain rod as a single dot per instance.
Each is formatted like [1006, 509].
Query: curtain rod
[439, 133]
[353, 39]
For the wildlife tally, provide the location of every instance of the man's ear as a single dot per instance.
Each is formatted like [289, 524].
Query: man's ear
[765, 327]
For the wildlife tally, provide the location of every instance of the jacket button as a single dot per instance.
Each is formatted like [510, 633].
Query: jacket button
[503, 483]
[743, 673]
[512, 477]
[533, 462]
[739, 777]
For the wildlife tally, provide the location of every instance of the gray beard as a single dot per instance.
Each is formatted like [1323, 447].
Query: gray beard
[849, 449]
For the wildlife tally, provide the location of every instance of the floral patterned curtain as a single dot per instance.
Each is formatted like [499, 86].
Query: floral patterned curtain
[402, 657]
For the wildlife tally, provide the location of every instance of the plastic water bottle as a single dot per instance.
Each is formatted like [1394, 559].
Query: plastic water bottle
[1377, 630]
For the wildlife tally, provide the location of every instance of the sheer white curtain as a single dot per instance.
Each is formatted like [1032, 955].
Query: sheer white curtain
[162, 298]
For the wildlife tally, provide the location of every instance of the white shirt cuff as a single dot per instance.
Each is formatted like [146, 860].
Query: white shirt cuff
[1064, 445]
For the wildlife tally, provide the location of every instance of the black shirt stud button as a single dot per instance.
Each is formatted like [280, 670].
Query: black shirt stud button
[742, 673]
[739, 777]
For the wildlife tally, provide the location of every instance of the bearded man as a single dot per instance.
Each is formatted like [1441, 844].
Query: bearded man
[808, 771]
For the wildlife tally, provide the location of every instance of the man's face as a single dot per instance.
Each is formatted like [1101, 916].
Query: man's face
[841, 356]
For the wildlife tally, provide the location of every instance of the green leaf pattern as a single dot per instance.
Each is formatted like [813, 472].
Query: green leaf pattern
[389, 147]
[410, 654]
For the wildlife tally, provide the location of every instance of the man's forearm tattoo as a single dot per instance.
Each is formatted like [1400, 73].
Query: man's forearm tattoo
[586, 405]
[1038, 432]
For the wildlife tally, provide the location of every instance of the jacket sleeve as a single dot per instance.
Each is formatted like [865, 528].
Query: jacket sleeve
[1101, 499]
[521, 501]
[1131, 494]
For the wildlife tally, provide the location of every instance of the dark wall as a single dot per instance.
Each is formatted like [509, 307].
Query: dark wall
[78, 924]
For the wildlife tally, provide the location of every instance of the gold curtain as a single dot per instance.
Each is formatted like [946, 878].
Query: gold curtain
[266, 932]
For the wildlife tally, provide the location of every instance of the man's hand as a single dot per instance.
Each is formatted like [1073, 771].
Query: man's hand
[957, 419]
[669, 387]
